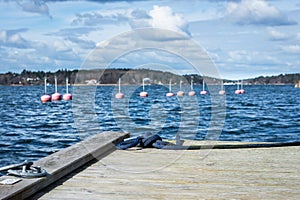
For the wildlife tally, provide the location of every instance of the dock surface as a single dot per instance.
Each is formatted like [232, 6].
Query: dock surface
[246, 173]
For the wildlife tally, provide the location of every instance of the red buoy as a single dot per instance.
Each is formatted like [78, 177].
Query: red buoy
[143, 94]
[67, 96]
[222, 92]
[56, 96]
[45, 98]
[180, 92]
[192, 93]
[203, 92]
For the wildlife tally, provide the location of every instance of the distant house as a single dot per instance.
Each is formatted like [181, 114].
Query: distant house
[91, 82]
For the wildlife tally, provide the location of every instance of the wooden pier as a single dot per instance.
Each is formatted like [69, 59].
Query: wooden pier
[63, 163]
[205, 173]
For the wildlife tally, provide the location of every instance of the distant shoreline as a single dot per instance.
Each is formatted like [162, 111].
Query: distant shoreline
[131, 76]
[86, 85]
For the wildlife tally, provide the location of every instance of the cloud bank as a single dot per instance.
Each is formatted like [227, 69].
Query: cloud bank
[158, 17]
[34, 6]
[256, 12]
[13, 38]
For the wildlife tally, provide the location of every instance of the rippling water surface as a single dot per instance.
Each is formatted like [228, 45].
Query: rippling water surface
[30, 129]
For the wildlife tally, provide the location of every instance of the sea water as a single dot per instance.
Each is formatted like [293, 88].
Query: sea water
[31, 130]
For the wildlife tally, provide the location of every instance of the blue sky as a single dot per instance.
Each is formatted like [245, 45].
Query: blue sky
[244, 39]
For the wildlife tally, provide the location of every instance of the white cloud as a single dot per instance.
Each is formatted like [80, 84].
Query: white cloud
[34, 6]
[241, 55]
[256, 12]
[294, 49]
[158, 17]
[101, 18]
[163, 17]
[13, 38]
[277, 35]
[298, 36]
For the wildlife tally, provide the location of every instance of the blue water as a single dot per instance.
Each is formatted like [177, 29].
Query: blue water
[31, 130]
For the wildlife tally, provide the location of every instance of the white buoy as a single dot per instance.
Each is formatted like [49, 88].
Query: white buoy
[222, 91]
[203, 92]
[170, 93]
[192, 92]
[143, 93]
[67, 96]
[119, 95]
[56, 96]
[46, 97]
[180, 92]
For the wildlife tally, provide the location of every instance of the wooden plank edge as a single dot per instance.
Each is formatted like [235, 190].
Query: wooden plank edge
[228, 145]
[63, 163]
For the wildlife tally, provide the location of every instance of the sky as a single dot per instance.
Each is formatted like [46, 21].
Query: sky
[241, 38]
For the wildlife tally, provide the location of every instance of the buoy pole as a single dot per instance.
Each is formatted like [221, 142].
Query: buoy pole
[237, 91]
[56, 96]
[180, 92]
[170, 93]
[119, 95]
[55, 82]
[119, 85]
[242, 89]
[192, 92]
[45, 85]
[67, 85]
[203, 92]
[143, 93]
[180, 83]
[67, 96]
[222, 91]
[45, 98]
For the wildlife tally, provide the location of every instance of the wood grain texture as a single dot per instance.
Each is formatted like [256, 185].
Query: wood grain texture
[247, 173]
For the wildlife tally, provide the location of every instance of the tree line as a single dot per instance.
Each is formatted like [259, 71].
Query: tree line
[129, 76]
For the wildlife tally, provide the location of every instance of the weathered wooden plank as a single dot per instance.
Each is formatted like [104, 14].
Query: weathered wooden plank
[259, 173]
[64, 162]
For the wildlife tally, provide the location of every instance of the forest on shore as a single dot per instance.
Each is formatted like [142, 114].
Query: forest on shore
[129, 76]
